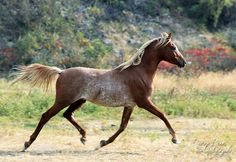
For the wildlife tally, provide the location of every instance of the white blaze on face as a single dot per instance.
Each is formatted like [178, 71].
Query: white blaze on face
[177, 51]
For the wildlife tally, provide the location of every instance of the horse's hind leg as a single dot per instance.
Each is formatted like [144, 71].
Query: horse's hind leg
[68, 114]
[124, 122]
[44, 119]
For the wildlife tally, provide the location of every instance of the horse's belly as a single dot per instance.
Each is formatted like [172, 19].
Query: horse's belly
[111, 96]
[113, 101]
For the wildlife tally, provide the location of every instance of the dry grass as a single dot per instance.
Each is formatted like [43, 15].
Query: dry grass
[211, 81]
[201, 140]
[214, 82]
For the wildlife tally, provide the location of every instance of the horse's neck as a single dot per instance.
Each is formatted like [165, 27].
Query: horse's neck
[149, 63]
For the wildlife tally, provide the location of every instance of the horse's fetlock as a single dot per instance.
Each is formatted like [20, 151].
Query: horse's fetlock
[32, 138]
[172, 132]
[122, 128]
[83, 133]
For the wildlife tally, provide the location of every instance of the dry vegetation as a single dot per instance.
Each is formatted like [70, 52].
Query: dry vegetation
[214, 82]
[143, 140]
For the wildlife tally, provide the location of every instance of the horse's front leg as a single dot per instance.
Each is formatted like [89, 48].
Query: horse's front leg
[124, 121]
[149, 106]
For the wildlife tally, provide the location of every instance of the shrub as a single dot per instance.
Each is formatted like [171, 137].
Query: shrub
[17, 16]
[94, 52]
[95, 11]
[8, 57]
[207, 12]
[214, 58]
[231, 38]
[117, 3]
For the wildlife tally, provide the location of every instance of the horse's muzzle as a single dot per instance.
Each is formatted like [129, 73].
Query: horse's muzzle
[181, 63]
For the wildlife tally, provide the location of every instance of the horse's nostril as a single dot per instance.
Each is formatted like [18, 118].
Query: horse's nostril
[182, 63]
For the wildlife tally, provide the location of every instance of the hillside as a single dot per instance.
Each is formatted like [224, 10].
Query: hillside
[104, 33]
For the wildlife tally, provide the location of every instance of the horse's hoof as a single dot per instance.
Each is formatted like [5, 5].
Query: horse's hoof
[175, 141]
[83, 140]
[26, 145]
[103, 143]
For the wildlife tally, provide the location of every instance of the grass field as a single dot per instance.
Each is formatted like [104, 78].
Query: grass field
[202, 110]
[208, 95]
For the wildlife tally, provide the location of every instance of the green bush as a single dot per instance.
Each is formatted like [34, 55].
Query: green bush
[207, 12]
[116, 3]
[95, 11]
[17, 16]
[231, 38]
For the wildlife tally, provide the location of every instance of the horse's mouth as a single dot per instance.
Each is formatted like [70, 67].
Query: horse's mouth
[181, 63]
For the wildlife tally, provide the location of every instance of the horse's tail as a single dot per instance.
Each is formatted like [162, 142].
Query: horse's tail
[37, 75]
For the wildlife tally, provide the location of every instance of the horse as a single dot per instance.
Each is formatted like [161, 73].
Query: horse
[128, 85]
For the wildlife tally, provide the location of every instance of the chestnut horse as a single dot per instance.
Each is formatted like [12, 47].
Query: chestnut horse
[127, 85]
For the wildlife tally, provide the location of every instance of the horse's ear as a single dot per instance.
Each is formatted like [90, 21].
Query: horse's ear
[169, 36]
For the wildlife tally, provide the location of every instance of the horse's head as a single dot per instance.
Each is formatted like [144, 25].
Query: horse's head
[171, 54]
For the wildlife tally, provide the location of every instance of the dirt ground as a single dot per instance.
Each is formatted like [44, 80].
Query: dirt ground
[144, 140]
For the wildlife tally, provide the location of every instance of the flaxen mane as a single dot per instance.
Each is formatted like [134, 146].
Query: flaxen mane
[137, 57]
